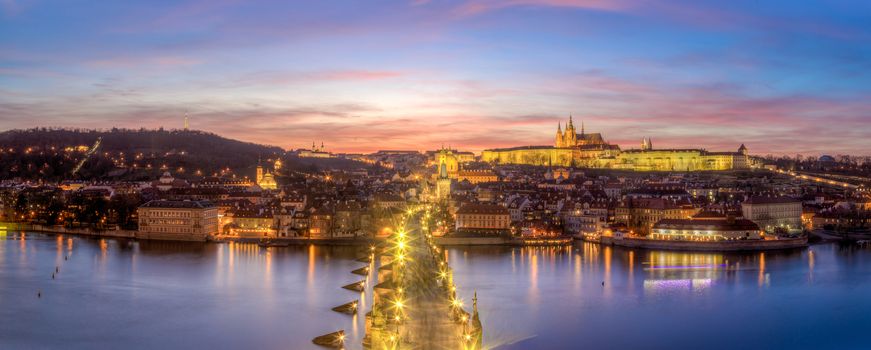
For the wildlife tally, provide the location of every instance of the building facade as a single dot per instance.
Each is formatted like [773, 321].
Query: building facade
[177, 220]
[640, 214]
[483, 217]
[707, 229]
[592, 151]
[774, 213]
[477, 176]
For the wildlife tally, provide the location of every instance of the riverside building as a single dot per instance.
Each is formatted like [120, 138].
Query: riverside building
[177, 220]
[706, 229]
[774, 213]
[483, 218]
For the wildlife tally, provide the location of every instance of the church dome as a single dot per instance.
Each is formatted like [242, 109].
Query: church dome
[166, 178]
[268, 182]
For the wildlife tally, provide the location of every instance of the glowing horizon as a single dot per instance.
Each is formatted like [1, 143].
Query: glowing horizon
[782, 78]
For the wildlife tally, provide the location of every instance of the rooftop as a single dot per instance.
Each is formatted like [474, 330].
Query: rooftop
[771, 200]
[178, 204]
[724, 224]
[487, 209]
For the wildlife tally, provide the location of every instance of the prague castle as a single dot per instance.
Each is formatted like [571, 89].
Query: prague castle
[592, 151]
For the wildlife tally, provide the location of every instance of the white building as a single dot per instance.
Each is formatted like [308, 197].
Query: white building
[774, 213]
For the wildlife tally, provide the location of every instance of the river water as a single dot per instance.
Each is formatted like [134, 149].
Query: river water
[111, 294]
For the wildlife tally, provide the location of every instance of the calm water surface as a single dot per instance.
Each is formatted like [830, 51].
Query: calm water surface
[113, 294]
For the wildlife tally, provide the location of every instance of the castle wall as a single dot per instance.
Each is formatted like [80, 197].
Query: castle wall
[543, 156]
[647, 160]
[591, 150]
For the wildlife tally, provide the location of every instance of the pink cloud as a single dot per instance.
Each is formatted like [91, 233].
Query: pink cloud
[297, 77]
[156, 61]
[475, 7]
[476, 115]
[356, 75]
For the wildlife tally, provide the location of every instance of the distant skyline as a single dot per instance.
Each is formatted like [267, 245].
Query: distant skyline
[782, 77]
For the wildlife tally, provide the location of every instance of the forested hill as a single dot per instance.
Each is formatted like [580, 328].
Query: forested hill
[52, 154]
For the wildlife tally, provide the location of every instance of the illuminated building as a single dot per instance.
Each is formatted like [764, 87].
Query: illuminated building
[588, 217]
[448, 171]
[450, 161]
[680, 160]
[321, 222]
[314, 152]
[247, 224]
[265, 179]
[592, 151]
[167, 182]
[570, 138]
[389, 200]
[483, 217]
[477, 176]
[640, 214]
[177, 220]
[461, 156]
[774, 213]
[706, 229]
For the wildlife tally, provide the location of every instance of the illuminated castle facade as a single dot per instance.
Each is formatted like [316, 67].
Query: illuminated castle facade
[592, 151]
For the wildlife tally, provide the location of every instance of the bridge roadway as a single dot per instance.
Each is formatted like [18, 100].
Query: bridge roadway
[428, 323]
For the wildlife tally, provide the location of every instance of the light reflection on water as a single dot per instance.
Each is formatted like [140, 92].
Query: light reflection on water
[603, 297]
[124, 294]
[176, 295]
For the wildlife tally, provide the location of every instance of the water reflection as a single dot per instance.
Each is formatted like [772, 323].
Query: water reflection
[602, 289]
[669, 272]
[193, 295]
[199, 295]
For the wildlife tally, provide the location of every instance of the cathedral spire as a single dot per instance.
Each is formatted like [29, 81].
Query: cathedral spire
[559, 127]
[582, 127]
[570, 122]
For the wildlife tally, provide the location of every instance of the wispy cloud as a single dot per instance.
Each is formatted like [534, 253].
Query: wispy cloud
[475, 7]
[471, 73]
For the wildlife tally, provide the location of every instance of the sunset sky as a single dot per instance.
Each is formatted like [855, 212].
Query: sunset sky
[783, 77]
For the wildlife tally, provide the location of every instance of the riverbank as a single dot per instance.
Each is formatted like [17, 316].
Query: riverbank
[833, 236]
[503, 241]
[706, 246]
[278, 241]
[22, 227]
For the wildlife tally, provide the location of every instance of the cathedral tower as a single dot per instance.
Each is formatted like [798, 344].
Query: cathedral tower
[571, 136]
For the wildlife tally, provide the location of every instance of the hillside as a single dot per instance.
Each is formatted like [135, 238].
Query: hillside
[53, 154]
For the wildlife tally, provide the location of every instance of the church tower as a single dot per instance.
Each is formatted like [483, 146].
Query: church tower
[559, 135]
[571, 137]
[646, 144]
[448, 169]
